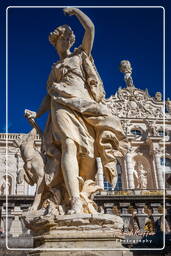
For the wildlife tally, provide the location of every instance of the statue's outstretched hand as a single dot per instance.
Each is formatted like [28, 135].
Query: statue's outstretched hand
[70, 10]
[30, 114]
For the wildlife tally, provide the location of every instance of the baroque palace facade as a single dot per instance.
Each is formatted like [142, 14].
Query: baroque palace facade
[138, 196]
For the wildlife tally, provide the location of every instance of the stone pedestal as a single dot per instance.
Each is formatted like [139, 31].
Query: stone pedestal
[77, 234]
[78, 240]
[82, 253]
[77, 243]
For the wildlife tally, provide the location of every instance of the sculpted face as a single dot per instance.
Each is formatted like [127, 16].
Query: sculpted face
[62, 38]
[63, 43]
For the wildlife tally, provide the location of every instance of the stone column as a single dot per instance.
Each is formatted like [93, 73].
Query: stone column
[130, 170]
[17, 155]
[100, 178]
[159, 169]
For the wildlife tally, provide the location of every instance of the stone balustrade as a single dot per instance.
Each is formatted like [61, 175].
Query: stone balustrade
[142, 211]
[13, 136]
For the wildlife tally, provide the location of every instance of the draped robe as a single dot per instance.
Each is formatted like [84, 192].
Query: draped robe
[78, 112]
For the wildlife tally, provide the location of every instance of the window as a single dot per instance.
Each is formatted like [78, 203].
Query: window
[167, 163]
[119, 183]
[107, 185]
[136, 132]
[162, 133]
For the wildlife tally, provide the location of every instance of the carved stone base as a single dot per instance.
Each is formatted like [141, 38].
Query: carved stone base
[45, 225]
[78, 243]
[69, 233]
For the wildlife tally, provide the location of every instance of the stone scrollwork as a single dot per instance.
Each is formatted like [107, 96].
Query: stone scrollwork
[151, 127]
[134, 102]
[126, 124]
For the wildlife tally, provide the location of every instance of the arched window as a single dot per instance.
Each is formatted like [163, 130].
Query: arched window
[118, 187]
[136, 132]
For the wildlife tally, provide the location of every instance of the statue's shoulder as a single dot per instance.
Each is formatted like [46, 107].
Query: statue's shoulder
[80, 51]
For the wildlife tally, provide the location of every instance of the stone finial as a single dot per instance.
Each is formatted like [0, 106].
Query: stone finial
[125, 67]
[146, 93]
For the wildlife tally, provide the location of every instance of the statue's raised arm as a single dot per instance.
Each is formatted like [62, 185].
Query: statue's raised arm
[88, 25]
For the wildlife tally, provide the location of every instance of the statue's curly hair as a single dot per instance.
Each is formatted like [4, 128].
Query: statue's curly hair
[61, 31]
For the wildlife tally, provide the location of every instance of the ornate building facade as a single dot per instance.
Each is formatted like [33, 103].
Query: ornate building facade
[142, 172]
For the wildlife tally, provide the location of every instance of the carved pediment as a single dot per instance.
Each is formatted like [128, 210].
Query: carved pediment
[132, 102]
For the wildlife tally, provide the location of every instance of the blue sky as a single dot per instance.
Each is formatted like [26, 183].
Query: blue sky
[134, 34]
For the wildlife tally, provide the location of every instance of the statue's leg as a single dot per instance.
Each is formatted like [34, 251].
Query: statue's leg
[36, 169]
[70, 169]
[38, 195]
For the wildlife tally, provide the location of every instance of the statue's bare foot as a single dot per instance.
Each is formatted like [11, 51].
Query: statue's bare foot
[76, 206]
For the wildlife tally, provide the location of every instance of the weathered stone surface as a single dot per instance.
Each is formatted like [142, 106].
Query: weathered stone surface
[80, 253]
[75, 239]
[80, 222]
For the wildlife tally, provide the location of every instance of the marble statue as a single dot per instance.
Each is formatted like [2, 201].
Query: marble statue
[33, 166]
[80, 126]
[6, 185]
[140, 177]
[125, 67]
[134, 225]
[158, 96]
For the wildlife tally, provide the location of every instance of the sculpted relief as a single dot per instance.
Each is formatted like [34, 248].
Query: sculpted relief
[140, 177]
[6, 185]
[132, 102]
[80, 127]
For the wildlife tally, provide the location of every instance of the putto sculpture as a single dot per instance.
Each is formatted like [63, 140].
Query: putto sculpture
[80, 127]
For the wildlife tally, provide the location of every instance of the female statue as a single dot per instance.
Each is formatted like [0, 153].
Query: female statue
[80, 127]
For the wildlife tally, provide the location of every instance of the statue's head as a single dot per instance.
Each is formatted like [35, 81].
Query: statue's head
[62, 38]
[125, 66]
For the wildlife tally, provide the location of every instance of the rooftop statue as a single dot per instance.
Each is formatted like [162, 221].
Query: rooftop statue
[125, 67]
[80, 126]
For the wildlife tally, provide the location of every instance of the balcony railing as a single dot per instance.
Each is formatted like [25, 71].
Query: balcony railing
[13, 136]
